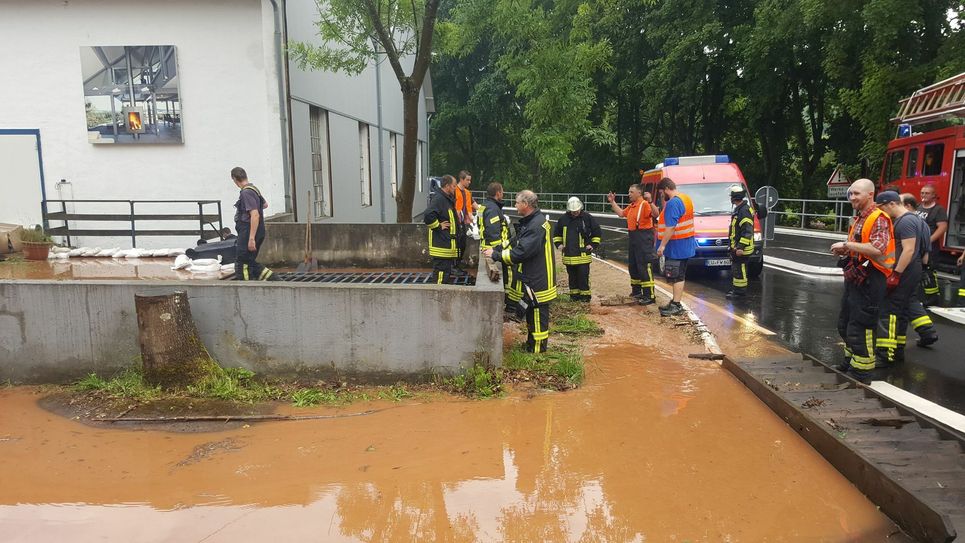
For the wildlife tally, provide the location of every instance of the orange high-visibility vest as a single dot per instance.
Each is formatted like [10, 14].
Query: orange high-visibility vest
[886, 262]
[685, 226]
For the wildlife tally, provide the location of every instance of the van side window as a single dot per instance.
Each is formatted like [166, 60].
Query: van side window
[895, 160]
[912, 163]
[934, 154]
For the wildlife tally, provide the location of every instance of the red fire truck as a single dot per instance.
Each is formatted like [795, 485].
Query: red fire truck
[934, 157]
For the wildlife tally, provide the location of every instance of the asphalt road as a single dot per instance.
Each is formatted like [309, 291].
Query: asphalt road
[802, 311]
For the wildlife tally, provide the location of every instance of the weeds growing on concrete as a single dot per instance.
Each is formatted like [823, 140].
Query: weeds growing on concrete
[479, 381]
[560, 369]
[126, 384]
[577, 324]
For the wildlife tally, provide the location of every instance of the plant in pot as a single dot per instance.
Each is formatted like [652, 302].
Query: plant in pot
[36, 243]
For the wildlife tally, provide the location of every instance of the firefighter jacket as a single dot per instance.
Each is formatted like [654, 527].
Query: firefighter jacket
[532, 249]
[493, 224]
[574, 234]
[442, 241]
[742, 229]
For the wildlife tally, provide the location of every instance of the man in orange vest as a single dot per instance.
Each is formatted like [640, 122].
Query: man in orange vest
[640, 256]
[867, 257]
[675, 227]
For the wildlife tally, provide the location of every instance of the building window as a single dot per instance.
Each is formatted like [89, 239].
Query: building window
[394, 162]
[934, 154]
[365, 168]
[895, 160]
[418, 166]
[321, 164]
[912, 170]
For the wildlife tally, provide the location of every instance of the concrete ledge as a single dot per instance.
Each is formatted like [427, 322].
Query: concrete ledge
[340, 245]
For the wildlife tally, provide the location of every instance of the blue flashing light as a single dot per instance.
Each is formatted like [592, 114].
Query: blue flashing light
[904, 130]
[671, 161]
[704, 241]
[723, 159]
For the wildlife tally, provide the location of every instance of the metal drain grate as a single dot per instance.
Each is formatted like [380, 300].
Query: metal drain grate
[370, 278]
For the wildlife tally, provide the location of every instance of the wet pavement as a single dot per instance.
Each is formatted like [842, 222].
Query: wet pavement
[802, 311]
[654, 447]
[155, 269]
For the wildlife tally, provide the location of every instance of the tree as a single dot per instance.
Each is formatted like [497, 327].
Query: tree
[353, 33]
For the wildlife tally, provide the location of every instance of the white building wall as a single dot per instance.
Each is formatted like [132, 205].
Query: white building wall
[227, 84]
[348, 100]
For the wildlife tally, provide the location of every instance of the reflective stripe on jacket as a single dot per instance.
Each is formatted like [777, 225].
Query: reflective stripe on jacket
[493, 224]
[575, 233]
[685, 226]
[532, 249]
[742, 229]
[884, 262]
[442, 242]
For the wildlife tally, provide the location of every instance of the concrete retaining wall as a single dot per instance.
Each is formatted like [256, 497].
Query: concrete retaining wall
[352, 245]
[56, 331]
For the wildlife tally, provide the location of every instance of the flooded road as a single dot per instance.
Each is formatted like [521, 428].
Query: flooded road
[654, 447]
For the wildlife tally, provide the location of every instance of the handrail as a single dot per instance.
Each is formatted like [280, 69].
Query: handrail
[132, 217]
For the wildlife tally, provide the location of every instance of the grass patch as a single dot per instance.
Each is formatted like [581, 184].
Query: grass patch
[129, 383]
[479, 381]
[578, 324]
[561, 369]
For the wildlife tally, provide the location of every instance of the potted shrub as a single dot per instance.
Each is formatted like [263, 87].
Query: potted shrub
[36, 243]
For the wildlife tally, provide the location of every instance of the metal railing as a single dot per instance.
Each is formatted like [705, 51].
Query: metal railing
[827, 215]
[592, 202]
[131, 217]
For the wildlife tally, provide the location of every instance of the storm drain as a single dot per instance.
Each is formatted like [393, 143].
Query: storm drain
[371, 278]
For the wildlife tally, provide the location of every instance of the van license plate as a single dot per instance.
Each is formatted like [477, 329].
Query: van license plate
[717, 262]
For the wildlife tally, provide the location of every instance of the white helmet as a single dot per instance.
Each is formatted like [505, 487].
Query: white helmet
[574, 204]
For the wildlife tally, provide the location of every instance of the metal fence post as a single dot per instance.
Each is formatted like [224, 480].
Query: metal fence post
[133, 227]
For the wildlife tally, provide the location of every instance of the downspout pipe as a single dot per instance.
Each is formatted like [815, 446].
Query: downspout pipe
[378, 100]
[279, 12]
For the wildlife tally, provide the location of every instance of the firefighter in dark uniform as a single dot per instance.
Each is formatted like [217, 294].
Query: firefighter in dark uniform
[936, 217]
[532, 249]
[494, 230]
[917, 315]
[440, 217]
[867, 258]
[741, 240]
[250, 226]
[911, 244]
[577, 234]
[641, 254]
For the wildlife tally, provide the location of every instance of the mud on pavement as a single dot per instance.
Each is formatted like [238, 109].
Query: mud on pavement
[653, 447]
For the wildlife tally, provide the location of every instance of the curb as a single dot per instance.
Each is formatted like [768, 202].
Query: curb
[804, 268]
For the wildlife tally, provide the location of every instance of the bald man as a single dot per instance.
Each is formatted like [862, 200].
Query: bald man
[867, 258]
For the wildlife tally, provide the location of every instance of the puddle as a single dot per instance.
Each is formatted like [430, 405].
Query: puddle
[654, 448]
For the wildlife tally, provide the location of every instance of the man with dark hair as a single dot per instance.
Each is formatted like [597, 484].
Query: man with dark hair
[440, 217]
[494, 229]
[532, 249]
[917, 315]
[640, 238]
[250, 225]
[911, 244]
[577, 234]
[741, 240]
[675, 226]
[465, 206]
[936, 218]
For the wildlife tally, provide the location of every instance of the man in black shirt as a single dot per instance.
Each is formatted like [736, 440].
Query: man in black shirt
[911, 238]
[936, 218]
[250, 225]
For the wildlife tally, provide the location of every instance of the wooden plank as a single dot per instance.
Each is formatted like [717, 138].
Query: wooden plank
[915, 516]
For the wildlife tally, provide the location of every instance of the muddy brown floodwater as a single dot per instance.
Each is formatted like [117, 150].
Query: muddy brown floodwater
[654, 447]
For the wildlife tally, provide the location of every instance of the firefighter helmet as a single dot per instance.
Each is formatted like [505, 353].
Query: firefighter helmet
[737, 192]
[574, 204]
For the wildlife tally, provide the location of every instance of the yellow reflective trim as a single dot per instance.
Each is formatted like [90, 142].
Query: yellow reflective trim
[494, 220]
[745, 219]
[595, 240]
[869, 343]
[505, 256]
[434, 224]
[923, 320]
[244, 270]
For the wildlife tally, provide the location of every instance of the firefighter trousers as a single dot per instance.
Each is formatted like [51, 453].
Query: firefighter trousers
[537, 322]
[930, 294]
[893, 317]
[960, 293]
[918, 319]
[640, 259]
[246, 266]
[859, 318]
[738, 272]
[512, 287]
[442, 270]
[579, 278]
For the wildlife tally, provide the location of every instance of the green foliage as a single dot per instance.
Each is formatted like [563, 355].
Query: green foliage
[565, 363]
[35, 235]
[577, 325]
[478, 381]
[310, 397]
[564, 95]
[129, 383]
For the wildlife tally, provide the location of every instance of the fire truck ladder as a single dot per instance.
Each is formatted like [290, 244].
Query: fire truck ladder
[934, 102]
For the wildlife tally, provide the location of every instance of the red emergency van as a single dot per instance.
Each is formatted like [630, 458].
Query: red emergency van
[707, 180]
[934, 157]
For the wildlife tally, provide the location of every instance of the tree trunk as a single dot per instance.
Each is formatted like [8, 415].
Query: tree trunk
[410, 139]
[172, 354]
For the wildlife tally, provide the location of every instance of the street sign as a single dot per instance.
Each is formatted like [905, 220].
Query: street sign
[767, 196]
[838, 184]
